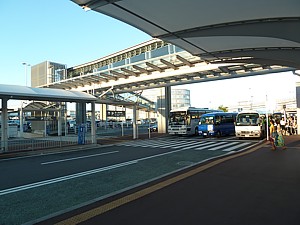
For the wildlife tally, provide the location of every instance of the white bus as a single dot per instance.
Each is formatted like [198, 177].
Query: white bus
[184, 121]
[248, 125]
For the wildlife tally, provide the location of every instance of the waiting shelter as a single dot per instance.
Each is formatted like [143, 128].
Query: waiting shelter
[16, 92]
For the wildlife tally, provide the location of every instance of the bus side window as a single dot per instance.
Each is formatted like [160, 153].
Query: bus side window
[218, 120]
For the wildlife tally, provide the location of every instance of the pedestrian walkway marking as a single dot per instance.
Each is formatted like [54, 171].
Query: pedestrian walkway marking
[211, 145]
[235, 147]
[223, 146]
[201, 144]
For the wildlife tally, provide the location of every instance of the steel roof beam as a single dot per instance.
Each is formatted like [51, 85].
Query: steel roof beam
[224, 69]
[110, 77]
[183, 60]
[141, 69]
[129, 72]
[154, 67]
[119, 74]
[170, 65]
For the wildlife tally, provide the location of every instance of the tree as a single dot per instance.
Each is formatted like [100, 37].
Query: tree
[223, 108]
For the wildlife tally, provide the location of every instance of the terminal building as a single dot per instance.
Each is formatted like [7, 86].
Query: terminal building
[134, 61]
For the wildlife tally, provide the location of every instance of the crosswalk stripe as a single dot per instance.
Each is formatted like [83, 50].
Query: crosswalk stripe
[223, 146]
[154, 145]
[178, 143]
[187, 144]
[151, 143]
[184, 145]
[235, 147]
[201, 144]
[209, 146]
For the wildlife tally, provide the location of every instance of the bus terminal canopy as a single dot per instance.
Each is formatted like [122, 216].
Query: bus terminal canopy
[40, 94]
[43, 94]
[262, 32]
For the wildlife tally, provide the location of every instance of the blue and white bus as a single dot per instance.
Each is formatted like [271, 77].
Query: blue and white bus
[185, 120]
[217, 124]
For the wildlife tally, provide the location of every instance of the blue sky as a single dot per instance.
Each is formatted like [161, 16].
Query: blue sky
[34, 31]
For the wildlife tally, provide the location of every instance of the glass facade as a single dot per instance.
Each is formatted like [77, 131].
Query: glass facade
[180, 98]
[134, 56]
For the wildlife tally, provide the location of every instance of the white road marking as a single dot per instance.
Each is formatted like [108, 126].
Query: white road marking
[223, 146]
[234, 147]
[81, 174]
[208, 147]
[201, 144]
[64, 178]
[76, 158]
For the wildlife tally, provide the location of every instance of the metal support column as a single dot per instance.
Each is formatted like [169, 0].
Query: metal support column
[80, 113]
[163, 109]
[168, 94]
[93, 123]
[134, 125]
[21, 134]
[4, 128]
[59, 120]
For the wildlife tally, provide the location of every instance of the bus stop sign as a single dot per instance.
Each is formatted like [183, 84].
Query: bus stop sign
[81, 134]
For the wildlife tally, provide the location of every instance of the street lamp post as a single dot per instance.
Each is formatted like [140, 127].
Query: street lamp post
[25, 66]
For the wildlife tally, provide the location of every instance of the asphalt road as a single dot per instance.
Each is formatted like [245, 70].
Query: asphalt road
[254, 187]
[81, 176]
[26, 170]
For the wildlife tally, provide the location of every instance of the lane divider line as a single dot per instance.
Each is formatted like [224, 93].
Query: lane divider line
[64, 178]
[80, 157]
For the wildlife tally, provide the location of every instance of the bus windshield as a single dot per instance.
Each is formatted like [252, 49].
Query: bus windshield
[251, 119]
[178, 118]
[207, 120]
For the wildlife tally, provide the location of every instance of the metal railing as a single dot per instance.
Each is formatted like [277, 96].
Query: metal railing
[33, 144]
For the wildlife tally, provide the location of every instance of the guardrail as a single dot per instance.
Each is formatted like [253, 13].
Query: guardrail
[32, 144]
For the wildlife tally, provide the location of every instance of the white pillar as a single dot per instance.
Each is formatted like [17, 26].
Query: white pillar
[65, 118]
[59, 121]
[134, 123]
[4, 130]
[93, 123]
[21, 121]
[149, 132]
[168, 95]
[298, 105]
[163, 109]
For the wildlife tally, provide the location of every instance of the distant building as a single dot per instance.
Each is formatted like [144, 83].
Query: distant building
[180, 98]
[47, 72]
[279, 105]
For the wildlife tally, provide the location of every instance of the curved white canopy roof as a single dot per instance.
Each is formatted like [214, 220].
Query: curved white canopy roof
[264, 32]
[43, 94]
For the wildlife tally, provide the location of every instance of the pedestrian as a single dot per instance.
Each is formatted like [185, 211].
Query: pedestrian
[280, 139]
[273, 135]
[295, 126]
[282, 125]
